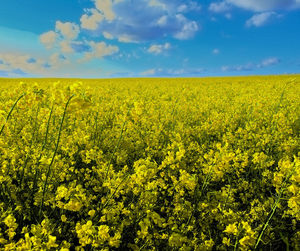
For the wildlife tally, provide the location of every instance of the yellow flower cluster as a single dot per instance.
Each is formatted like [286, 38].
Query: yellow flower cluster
[150, 164]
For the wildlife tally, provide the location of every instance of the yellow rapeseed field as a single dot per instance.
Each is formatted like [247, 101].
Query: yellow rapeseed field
[150, 164]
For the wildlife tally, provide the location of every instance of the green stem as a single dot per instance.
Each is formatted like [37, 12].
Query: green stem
[113, 194]
[274, 207]
[35, 129]
[10, 112]
[43, 147]
[205, 183]
[54, 153]
[96, 128]
[237, 238]
[116, 147]
[267, 223]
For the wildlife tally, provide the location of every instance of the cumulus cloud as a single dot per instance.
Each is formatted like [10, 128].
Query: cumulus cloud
[68, 30]
[66, 47]
[57, 59]
[62, 37]
[255, 5]
[219, 7]
[268, 61]
[159, 48]
[107, 35]
[48, 39]
[188, 28]
[67, 42]
[136, 20]
[125, 38]
[162, 21]
[20, 64]
[189, 6]
[251, 66]
[265, 9]
[261, 19]
[265, 5]
[54, 65]
[100, 50]
[158, 4]
[91, 19]
[127, 21]
[105, 7]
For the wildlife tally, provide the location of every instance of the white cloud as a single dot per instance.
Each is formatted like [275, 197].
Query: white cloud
[57, 60]
[215, 51]
[91, 19]
[159, 48]
[107, 35]
[188, 29]
[162, 21]
[68, 30]
[251, 66]
[268, 61]
[245, 67]
[48, 39]
[136, 20]
[189, 6]
[148, 72]
[157, 3]
[100, 50]
[182, 8]
[66, 38]
[103, 11]
[64, 35]
[265, 5]
[66, 47]
[225, 68]
[21, 64]
[260, 19]
[54, 65]
[173, 72]
[219, 7]
[105, 7]
[125, 38]
[127, 21]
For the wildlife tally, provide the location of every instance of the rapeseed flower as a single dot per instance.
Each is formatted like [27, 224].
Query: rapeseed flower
[149, 163]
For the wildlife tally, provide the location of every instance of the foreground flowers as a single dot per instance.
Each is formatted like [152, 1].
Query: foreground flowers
[154, 164]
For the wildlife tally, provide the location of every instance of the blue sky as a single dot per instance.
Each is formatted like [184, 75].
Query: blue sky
[148, 38]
